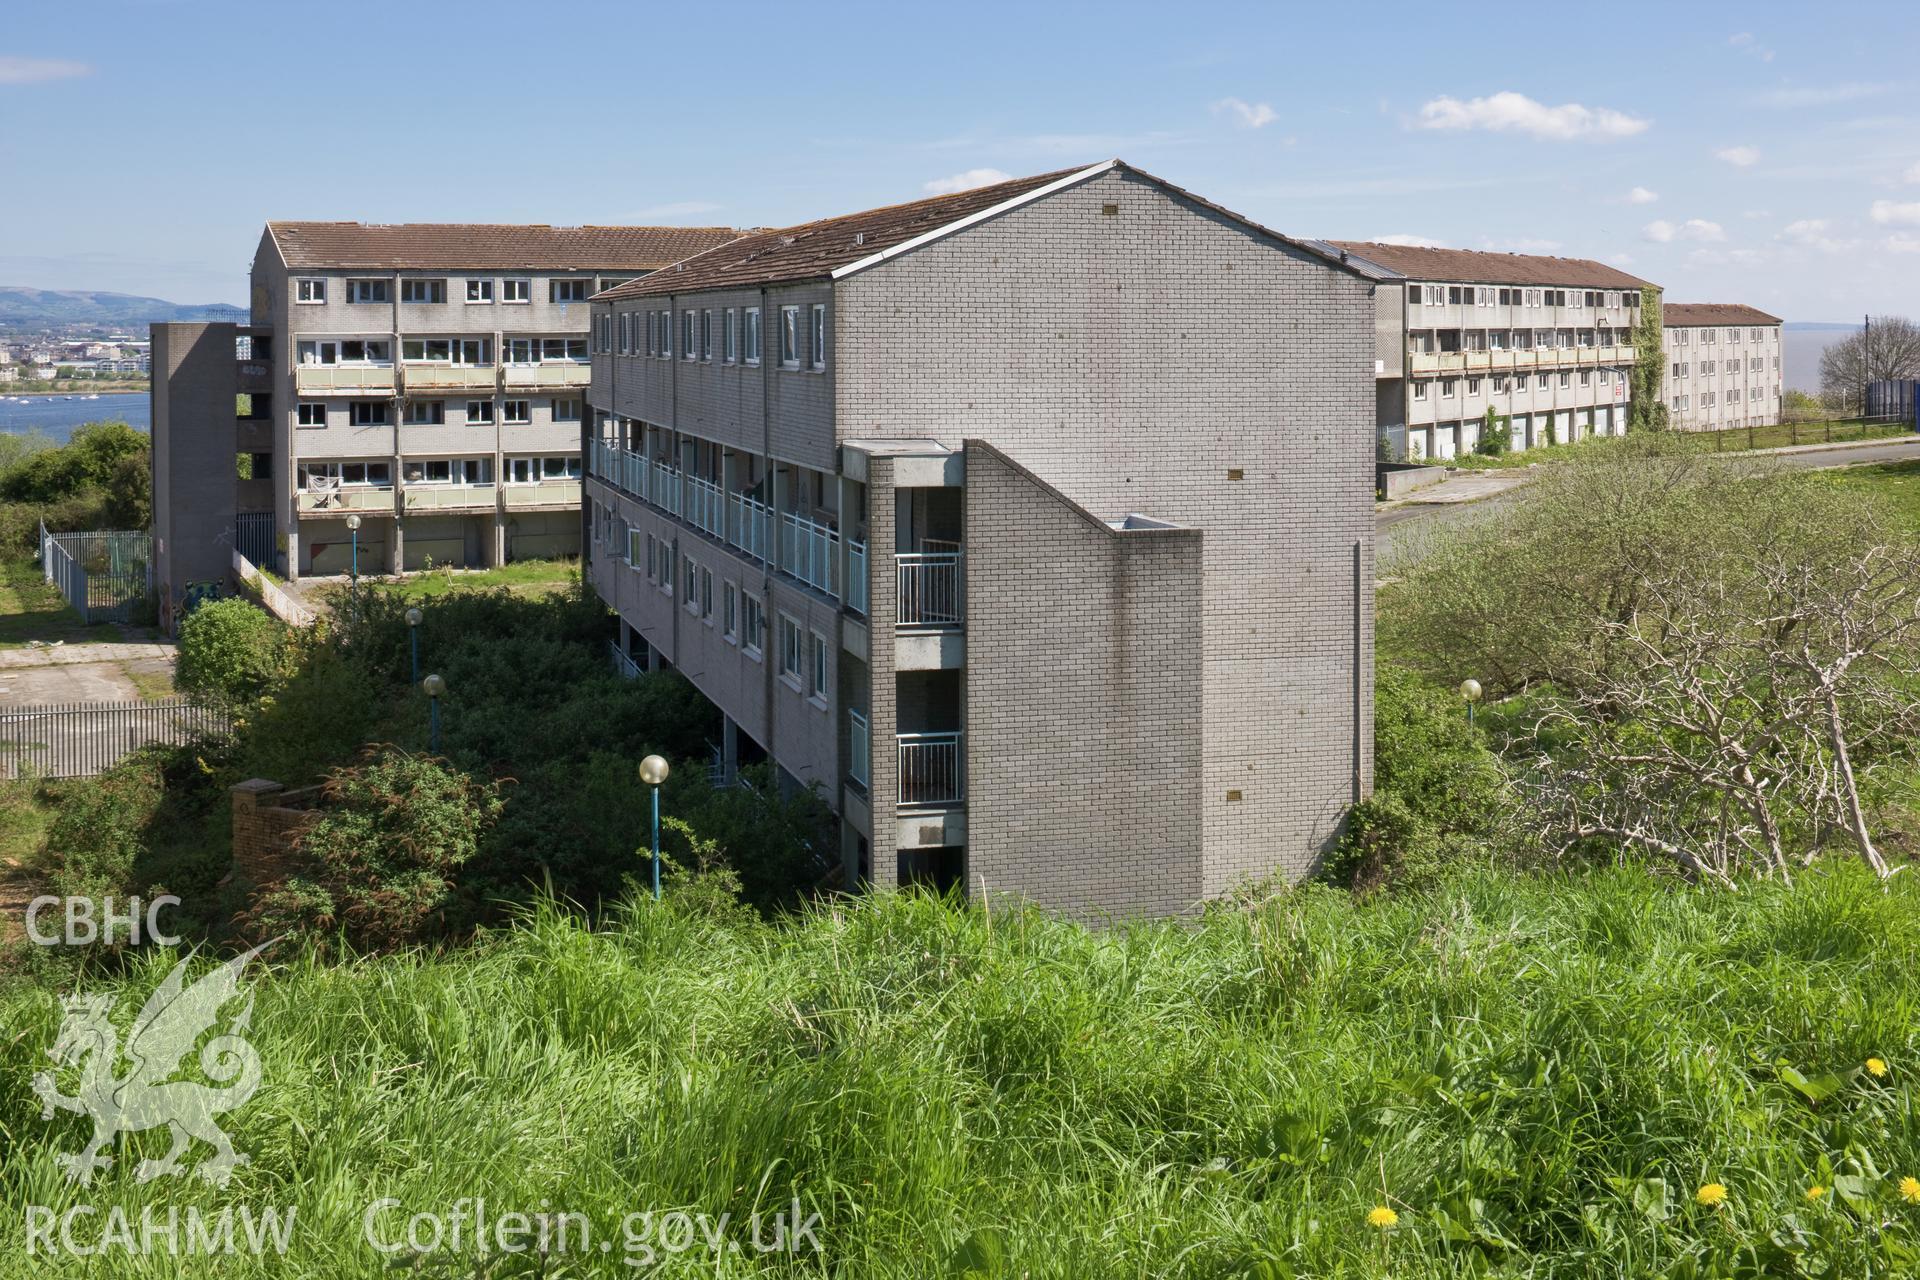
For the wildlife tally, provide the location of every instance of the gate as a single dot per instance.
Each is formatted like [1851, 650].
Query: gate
[104, 575]
[253, 537]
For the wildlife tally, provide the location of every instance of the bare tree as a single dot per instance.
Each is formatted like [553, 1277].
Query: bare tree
[1888, 349]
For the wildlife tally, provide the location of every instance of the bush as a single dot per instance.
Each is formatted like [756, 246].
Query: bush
[230, 650]
[99, 829]
[383, 856]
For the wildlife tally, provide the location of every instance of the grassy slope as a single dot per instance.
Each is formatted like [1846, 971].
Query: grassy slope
[32, 609]
[1897, 483]
[522, 577]
[1784, 434]
[1221, 1099]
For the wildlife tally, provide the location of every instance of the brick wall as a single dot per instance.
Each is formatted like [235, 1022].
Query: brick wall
[264, 824]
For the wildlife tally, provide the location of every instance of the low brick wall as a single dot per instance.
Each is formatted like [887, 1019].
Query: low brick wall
[266, 817]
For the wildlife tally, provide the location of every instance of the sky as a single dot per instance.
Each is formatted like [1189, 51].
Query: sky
[1757, 152]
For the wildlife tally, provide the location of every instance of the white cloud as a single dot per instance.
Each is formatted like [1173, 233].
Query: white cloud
[678, 209]
[1410, 242]
[966, 181]
[1745, 42]
[1740, 157]
[1822, 95]
[1640, 195]
[1900, 242]
[1252, 115]
[16, 70]
[1725, 257]
[1660, 231]
[1516, 113]
[1813, 233]
[1893, 213]
[1912, 175]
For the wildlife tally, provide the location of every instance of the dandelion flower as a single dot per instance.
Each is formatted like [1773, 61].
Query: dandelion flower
[1814, 1193]
[1910, 1190]
[1875, 1067]
[1713, 1195]
[1381, 1217]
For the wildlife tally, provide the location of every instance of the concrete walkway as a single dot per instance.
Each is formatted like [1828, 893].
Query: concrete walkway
[56, 655]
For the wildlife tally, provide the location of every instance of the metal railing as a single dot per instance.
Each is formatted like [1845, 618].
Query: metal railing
[706, 507]
[749, 524]
[932, 770]
[547, 375]
[666, 488]
[349, 498]
[859, 748]
[431, 497]
[79, 740]
[623, 663]
[543, 493]
[343, 377]
[857, 577]
[932, 589]
[104, 575]
[807, 550]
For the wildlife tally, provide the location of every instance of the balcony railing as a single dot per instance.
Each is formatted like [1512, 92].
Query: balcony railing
[426, 497]
[857, 577]
[859, 749]
[308, 378]
[932, 770]
[665, 490]
[749, 524]
[623, 663]
[807, 550]
[544, 493]
[548, 375]
[932, 589]
[341, 501]
[706, 507]
[449, 377]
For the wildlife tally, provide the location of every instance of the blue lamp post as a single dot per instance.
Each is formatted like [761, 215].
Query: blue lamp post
[653, 772]
[1470, 693]
[413, 641]
[434, 687]
[353, 527]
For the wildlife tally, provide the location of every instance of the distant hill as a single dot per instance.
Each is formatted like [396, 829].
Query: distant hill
[24, 308]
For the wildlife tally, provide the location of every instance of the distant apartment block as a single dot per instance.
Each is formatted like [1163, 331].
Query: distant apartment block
[1545, 343]
[1031, 526]
[430, 379]
[1723, 365]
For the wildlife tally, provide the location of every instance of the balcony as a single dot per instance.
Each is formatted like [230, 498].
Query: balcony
[932, 771]
[449, 377]
[706, 507]
[448, 497]
[664, 491]
[340, 502]
[750, 524]
[535, 376]
[807, 551]
[542, 493]
[313, 379]
[932, 588]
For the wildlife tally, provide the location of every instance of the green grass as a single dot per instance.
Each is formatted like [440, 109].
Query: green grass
[1732, 441]
[522, 577]
[31, 609]
[1536, 1074]
[1897, 483]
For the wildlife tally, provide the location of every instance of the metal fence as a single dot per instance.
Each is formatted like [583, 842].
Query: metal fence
[104, 575]
[79, 740]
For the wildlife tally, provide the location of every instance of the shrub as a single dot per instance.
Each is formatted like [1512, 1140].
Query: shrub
[99, 829]
[229, 649]
[384, 853]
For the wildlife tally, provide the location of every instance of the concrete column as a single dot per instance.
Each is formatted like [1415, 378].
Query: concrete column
[729, 748]
[652, 662]
[499, 551]
[397, 556]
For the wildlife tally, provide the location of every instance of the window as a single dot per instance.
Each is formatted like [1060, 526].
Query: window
[479, 291]
[706, 335]
[366, 291]
[312, 413]
[688, 350]
[1449, 386]
[1540, 382]
[791, 656]
[626, 332]
[1499, 386]
[423, 291]
[666, 334]
[310, 291]
[567, 290]
[1473, 386]
[480, 413]
[692, 579]
[817, 333]
[567, 410]
[1419, 391]
[633, 550]
[1453, 295]
[819, 666]
[318, 353]
[516, 290]
[1586, 377]
[750, 341]
[434, 471]
[516, 413]
[729, 616]
[1566, 380]
[789, 337]
[563, 350]
[756, 626]
[426, 412]
[706, 594]
[729, 340]
[356, 474]
[368, 413]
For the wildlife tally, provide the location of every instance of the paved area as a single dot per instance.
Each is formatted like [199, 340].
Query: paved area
[64, 682]
[66, 654]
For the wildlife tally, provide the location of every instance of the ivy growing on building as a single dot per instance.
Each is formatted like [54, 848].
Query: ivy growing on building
[1647, 409]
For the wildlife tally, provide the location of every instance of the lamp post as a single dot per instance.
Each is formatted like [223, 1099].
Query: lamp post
[413, 640]
[1470, 692]
[653, 772]
[353, 527]
[434, 686]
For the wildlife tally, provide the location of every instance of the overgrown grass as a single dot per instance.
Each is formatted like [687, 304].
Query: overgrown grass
[522, 577]
[32, 609]
[1729, 441]
[1895, 483]
[1535, 1074]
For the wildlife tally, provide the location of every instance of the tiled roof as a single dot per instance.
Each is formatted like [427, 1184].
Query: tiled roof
[1686, 314]
[462, 246]
[817, 249]
[1471, 266]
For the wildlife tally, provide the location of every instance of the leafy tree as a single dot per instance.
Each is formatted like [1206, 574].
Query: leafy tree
[229, 649]
[1496, 439]
[1888, 349]
[1646, 405]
